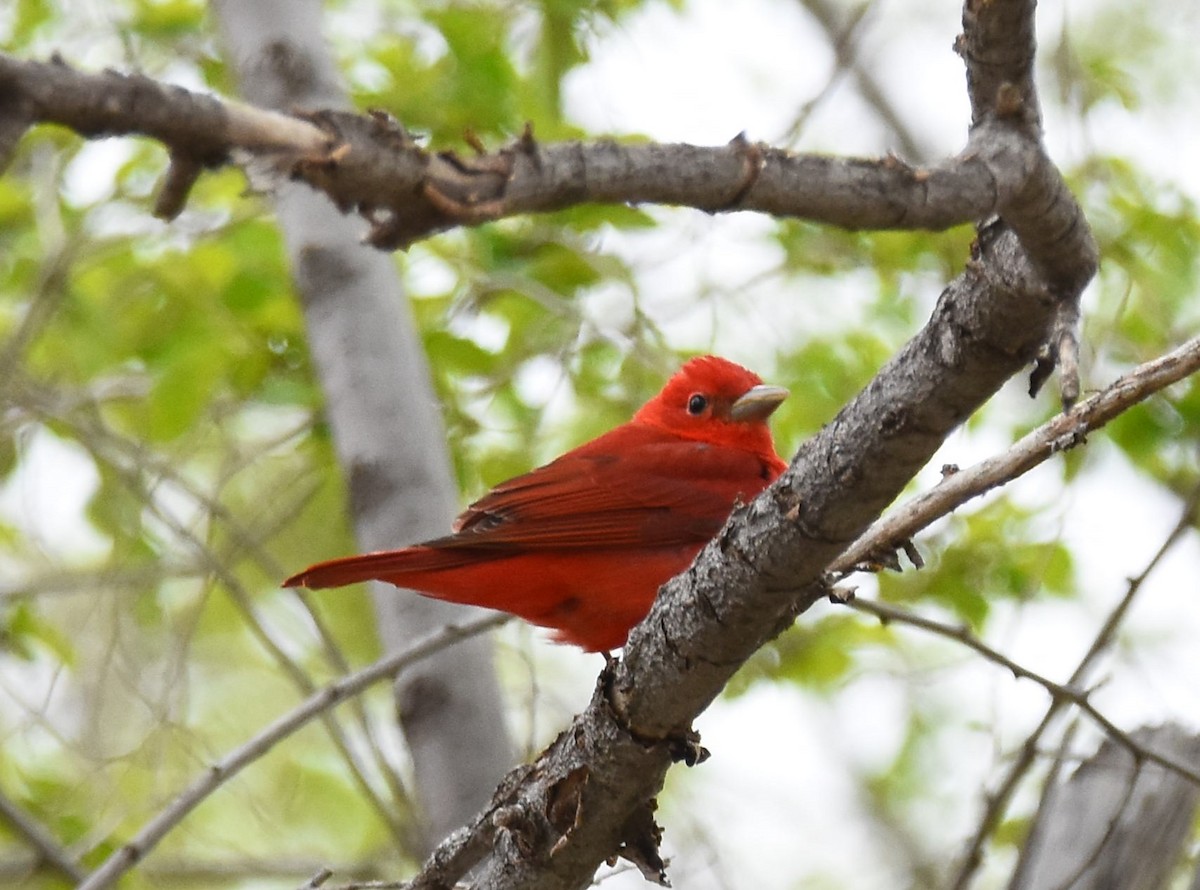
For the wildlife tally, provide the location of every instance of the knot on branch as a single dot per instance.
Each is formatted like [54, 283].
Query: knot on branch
[182, 173]
[681, 744]
[431, 192]
[752, 158]
[541, 834]
[470, 191]
[359, 147]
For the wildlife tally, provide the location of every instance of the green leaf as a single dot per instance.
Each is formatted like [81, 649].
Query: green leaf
[23, 632]
[818, 655]
[992, 554]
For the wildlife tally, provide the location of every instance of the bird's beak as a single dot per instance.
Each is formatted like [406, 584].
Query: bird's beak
[758, 403]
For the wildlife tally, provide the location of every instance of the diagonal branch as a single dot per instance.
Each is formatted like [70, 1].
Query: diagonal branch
[1061, 433]
[842, 32]
[998, 800]
[49, 851]
[319, 704]
[1060, 693]
[131, 463]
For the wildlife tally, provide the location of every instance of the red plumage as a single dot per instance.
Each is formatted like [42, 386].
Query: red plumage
[582, 544]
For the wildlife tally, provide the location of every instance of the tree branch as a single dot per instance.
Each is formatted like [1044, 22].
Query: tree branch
[997, 800]
[316, 705]
[1060, 433]
[1059, 692]
[132, 464]
[998, 46]
[368, 163]
[49, 851]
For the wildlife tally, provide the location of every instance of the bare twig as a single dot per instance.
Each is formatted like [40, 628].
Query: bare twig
[169, 871]
[49, 851]
[321, 702]
[997, 800]
[1059, 693]
[844, 36]
[48, 294]
[104, 577]
[133, 464]
[1062, 433]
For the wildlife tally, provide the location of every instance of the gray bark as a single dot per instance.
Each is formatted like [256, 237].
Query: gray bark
[385, 420]
[1117, 822]
[589, 795]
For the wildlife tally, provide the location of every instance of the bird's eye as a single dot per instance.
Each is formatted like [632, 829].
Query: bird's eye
[696, 404]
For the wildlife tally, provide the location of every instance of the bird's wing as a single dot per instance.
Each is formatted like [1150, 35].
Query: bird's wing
[632, 487]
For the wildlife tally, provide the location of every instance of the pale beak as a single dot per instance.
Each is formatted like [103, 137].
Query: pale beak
[758, 403]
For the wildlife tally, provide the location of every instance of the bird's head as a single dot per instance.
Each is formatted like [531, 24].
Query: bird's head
[714, 400]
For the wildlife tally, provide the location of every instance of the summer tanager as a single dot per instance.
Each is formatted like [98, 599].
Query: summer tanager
[582, 544]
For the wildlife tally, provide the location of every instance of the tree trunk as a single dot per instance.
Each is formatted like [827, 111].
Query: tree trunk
[385, 420]
[1118, 822]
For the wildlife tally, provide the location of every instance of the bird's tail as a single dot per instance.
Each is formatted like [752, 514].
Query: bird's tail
[400, 567]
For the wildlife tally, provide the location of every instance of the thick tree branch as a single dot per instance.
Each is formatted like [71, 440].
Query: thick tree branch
[999, 48]
[370, 164]
[114, 104]
[588, 796]
[742, 590]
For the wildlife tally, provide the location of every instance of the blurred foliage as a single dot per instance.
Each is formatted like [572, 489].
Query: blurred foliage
[163, 460]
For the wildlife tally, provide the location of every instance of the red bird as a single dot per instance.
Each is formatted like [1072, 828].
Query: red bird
[582, 544]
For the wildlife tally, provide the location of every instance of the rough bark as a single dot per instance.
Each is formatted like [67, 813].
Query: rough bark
[763, 569]
[1118, 821]
[385, 421]
[369, 165]
[768, 564]
[589, 796]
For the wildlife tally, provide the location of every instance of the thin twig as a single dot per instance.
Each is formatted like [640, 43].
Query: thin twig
[132, 463]
[844, 38]
[49, 850]
[65, 582]
[315, 706]
[997, 801]
[1059, 692]
[1063, 432]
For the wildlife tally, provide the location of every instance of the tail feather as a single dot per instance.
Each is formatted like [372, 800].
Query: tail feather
[401, 567]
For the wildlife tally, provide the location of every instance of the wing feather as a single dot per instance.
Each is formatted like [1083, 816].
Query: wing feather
[634, 487]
